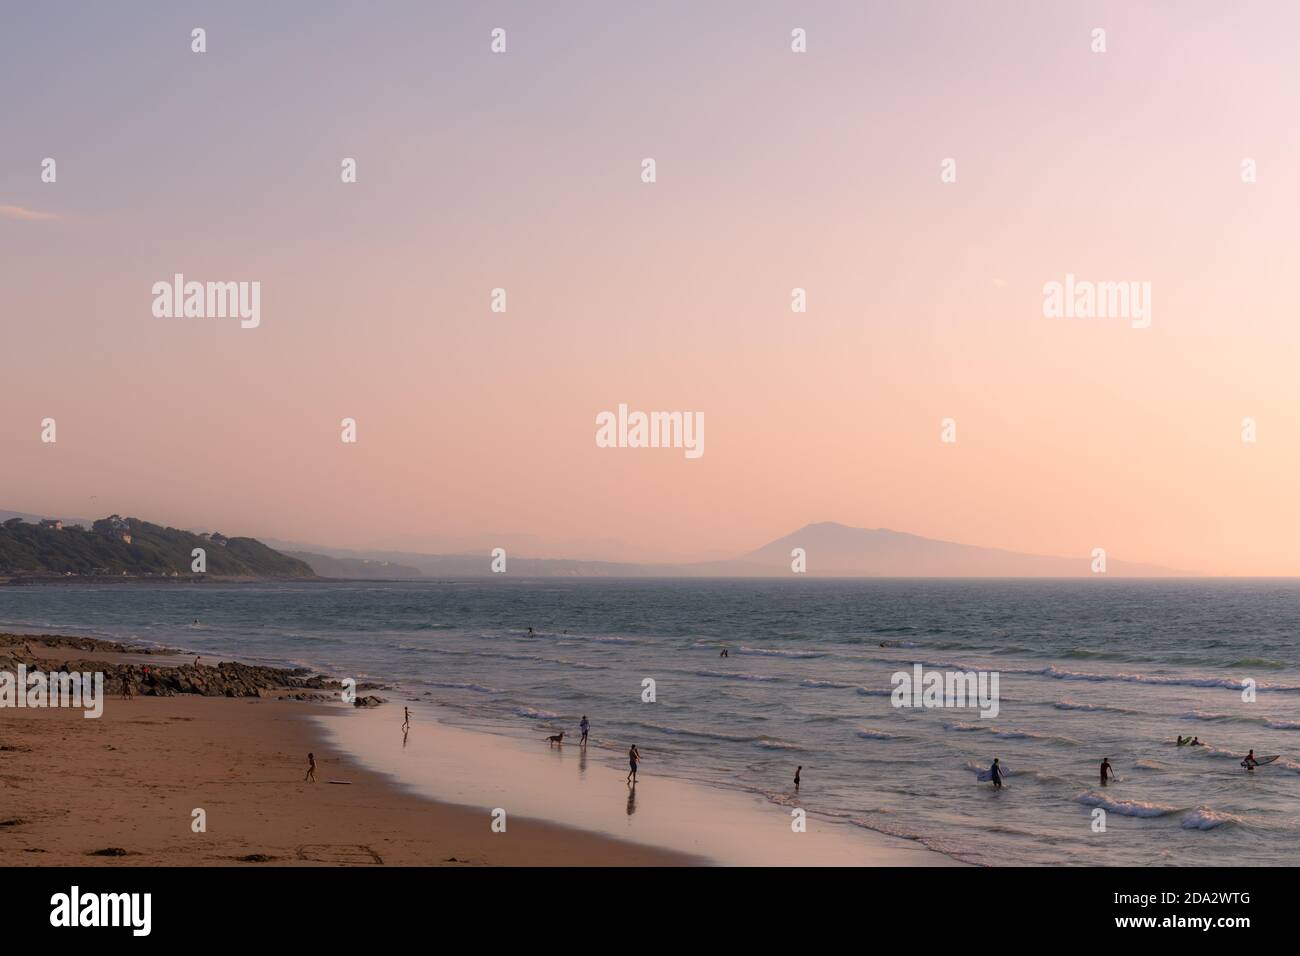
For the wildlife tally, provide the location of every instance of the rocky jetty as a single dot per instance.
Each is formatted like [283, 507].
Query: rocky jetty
[158, 674]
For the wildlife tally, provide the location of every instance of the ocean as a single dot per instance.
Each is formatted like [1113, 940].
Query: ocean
[1086, 669]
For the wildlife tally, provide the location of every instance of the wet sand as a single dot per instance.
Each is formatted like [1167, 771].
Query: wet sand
[588, 789]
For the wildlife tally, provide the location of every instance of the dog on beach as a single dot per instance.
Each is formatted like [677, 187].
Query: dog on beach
[557, 739]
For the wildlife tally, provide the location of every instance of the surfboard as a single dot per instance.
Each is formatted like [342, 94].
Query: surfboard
[1260, 761]
[986, 776]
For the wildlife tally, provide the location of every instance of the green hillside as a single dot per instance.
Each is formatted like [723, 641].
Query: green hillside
[151, 550]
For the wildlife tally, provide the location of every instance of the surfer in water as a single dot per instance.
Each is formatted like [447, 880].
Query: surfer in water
[995, 774]
[1196, 742]
[1184, 741]
[1250, 763]
[1107, 771]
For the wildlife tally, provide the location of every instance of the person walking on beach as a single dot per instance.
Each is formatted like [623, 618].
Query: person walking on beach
[127, 692]
[797, 770]
[584, 727]
[1107, 771]
[406, 719]
[311, 769]
[633, 758]
[995, 774]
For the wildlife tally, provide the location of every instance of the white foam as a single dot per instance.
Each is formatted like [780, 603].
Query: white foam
[1203, 818]
[877, 735]
[1126, 808]
[533, 714]
[725, 676]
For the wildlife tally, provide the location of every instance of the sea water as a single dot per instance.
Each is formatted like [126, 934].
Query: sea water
[1087, 669]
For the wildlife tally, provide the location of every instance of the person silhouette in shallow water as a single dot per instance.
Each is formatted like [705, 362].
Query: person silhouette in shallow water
[633, 758]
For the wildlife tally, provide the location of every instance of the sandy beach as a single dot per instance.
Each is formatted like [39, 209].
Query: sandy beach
[75, 791]
[124, 788]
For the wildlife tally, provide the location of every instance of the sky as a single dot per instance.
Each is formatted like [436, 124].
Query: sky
[775, 170]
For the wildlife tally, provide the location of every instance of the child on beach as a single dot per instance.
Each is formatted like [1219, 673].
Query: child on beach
[311, 769]
[633, 758]
[584, 727]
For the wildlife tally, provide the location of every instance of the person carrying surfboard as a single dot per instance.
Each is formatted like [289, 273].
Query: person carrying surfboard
[995, 774]
[1250, 763]
[1107, 771]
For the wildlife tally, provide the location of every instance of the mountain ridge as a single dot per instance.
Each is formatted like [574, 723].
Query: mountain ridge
[130, 547]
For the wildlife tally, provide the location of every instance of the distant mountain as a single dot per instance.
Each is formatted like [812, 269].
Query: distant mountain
[398, 565]
[838, 550]
[328, 566]
[116, 545]
[832, 550]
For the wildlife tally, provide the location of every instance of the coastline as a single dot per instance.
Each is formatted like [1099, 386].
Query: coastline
[75, 791]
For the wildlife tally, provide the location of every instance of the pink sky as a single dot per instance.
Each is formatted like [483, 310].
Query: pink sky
[776, 170]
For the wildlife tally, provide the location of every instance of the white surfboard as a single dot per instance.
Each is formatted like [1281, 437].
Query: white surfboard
[1260, 761]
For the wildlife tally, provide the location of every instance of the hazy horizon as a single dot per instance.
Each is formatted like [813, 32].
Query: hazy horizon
[775, 171]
